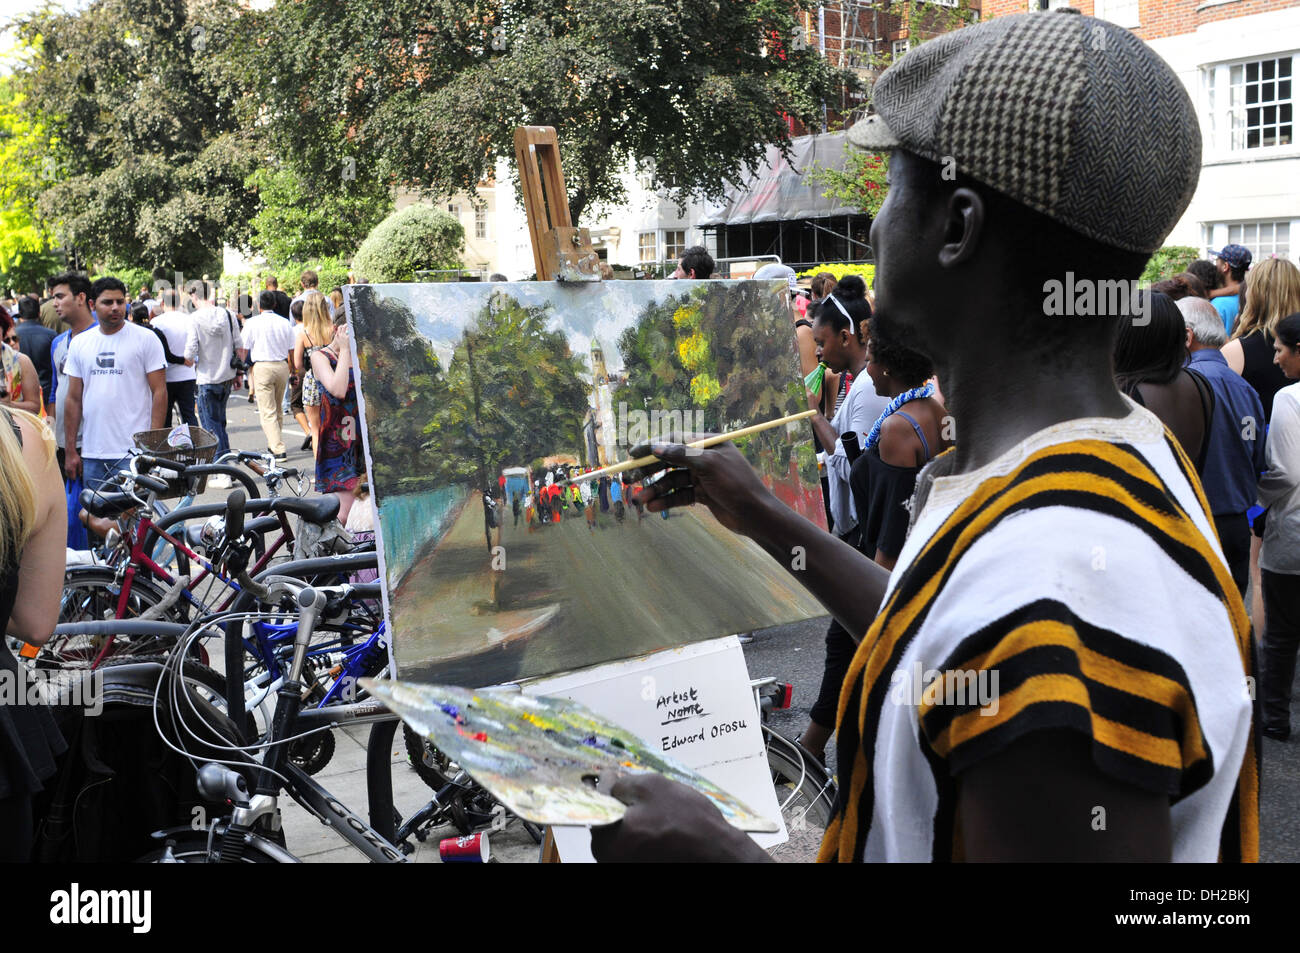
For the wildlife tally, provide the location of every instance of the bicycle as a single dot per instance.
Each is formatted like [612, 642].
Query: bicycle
[252, 788]
[133, 581]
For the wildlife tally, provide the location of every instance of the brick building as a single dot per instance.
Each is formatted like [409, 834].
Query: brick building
[1237, 59]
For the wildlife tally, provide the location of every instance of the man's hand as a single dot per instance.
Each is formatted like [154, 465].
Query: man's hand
[671, 823]
[72, 463]
[719, 477]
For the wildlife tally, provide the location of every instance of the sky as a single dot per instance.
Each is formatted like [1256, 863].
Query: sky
[9, 9]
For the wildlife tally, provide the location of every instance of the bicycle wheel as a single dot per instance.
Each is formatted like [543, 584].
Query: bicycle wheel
[434, 768]
[806, 794]
[91, 594]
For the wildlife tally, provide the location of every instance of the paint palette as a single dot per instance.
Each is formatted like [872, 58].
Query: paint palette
[539, 756]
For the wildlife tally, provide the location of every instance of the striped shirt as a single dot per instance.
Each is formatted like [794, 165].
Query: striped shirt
[1074, 583]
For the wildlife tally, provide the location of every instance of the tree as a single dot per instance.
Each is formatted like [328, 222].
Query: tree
[417, 238]
[1167, 262]
[515, 395]
[427, 93]
[296, 223]
[860, 181]
[26, 258]
[145, 168]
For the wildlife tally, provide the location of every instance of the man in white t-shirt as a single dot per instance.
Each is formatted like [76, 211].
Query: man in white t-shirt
[269, 339]
[178, 328]
[116, 383]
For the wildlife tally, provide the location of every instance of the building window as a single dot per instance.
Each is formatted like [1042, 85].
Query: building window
[480, 223]
[1119, 12]
[946, 3]
[1042, 6]
[648, 247]
[1249, 104]
[1262, 238]
[453, 209]
[674, 245]
[900, 47]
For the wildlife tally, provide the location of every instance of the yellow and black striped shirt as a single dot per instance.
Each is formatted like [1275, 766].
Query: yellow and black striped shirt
[1075, 583]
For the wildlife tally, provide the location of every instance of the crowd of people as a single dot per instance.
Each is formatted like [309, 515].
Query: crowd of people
[102, 365]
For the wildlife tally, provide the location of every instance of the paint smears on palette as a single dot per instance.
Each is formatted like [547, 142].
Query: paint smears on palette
[536, 755]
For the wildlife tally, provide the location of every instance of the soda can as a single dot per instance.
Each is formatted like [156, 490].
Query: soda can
[472, 849]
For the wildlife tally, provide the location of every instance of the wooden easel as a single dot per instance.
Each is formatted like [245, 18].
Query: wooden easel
[560, 251]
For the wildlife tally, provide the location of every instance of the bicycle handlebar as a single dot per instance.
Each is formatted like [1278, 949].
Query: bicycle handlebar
[122, 627]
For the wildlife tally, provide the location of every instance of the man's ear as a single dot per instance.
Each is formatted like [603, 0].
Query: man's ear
[1190, 338]
[963, 227]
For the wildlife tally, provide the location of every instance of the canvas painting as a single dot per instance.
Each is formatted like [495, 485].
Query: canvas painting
[480, 404]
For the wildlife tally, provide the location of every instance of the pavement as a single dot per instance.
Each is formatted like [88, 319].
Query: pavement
[794, 653]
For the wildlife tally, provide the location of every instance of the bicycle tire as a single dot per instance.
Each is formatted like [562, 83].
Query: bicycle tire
[806, 793]
[88, 596]
[434, 768]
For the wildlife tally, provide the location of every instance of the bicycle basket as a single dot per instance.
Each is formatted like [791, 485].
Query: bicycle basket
[154, 443]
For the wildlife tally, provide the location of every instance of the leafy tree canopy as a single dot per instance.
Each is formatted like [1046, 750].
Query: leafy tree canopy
[296, 222]
[427, 93]
[147, 167]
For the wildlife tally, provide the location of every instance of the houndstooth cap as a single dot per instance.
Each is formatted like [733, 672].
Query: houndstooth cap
[1069, 115]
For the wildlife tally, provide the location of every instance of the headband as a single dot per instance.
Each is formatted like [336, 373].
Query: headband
[831, 298]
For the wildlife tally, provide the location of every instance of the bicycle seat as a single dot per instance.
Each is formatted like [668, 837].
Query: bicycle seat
[319, 509]
[107, 505]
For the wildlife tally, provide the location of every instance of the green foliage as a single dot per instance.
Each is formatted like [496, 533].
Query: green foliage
[429, 92]
[703, 351]
[417, 238]
[144, 160]
[860, 183]
[1167, 262]
[295, 222]
[26, 256]
[133, 278]
[333, 273]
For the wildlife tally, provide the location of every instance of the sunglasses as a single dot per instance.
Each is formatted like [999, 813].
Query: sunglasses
[11, 339]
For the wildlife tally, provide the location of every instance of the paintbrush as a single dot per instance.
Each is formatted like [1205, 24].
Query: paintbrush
[712, 441]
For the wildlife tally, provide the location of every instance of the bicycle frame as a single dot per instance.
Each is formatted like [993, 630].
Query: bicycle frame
[270, 636]
[140, 559]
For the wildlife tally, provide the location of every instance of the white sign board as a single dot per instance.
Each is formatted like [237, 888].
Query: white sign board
[692, 703]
